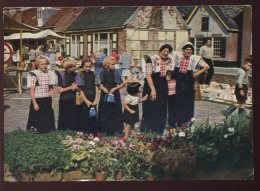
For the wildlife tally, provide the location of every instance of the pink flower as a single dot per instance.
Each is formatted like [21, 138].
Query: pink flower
[96, 139]
[121, 143]
[115, 143]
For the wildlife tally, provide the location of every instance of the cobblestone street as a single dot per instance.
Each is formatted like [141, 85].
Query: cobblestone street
[16, 109]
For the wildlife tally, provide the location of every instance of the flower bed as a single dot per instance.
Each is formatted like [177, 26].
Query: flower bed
[178, 154]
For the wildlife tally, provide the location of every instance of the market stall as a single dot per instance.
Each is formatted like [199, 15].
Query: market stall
[25, 32]
[11, 26]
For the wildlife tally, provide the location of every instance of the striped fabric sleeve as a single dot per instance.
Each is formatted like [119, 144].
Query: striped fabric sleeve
[33, 81]
[148, 68]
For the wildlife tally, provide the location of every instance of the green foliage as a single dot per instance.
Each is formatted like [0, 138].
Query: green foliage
[178, 156]
[30, 152]
[227, 145]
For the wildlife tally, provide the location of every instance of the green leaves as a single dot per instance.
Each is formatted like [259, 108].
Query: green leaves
[30, 152]
[202, 145]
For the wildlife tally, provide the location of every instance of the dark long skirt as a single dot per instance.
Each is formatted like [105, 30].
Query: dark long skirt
[87, 124]
[42, 120]
[110, 115]
[130, 118]
[206, 77]
[181, 107]
[68, 112]
[155, 112]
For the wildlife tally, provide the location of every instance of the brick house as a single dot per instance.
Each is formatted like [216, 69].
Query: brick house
[141, 30]
[229, 27]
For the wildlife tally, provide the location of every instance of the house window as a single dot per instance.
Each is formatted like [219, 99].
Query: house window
[39, 14]
[205, 24]
[114, 40]
[90, 45]
[199, 43]
[67, 46]
[219, 46]
[76, 43]
[108, 41]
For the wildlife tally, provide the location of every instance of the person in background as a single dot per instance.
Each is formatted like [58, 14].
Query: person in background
[182, 106]
[110, 82]
[116, 56]
[15, 57]
[32, 57]
[53, 59]
[99, 62]
[67, 87]
[39, 50]
[206, 54]
[125, 62]
[41, 114]
[25, 56]
[92, 56]
[241, 88]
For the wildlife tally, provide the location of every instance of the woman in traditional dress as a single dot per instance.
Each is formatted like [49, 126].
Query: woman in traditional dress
[156, 86]
[181, 108]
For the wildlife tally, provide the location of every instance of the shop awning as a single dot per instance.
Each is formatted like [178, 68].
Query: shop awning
[46, 34]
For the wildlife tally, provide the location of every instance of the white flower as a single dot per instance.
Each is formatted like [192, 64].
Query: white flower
[181, 134]
[96, 139]
[231, 129]
[225, 136]
[91, 150]
[79, 133]
[91, 143]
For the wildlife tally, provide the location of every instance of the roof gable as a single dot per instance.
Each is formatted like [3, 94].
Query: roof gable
[227, 15]
[185, 11]
[102, 17]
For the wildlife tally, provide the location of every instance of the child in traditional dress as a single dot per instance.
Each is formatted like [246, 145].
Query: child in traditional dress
[89, 91]
[110, 82]
[67, 87]
[131, 110]
[41, 114]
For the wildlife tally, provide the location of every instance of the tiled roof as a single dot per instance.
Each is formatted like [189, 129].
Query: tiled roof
[11, 24]
[28, 17]
[228, 14]
[102, 17]
[185, 11]
[64, 17]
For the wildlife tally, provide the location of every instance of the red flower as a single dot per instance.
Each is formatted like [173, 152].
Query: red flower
[162, 143]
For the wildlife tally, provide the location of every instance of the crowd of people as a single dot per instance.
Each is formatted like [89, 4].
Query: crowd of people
[167, 95]
[32, 51]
